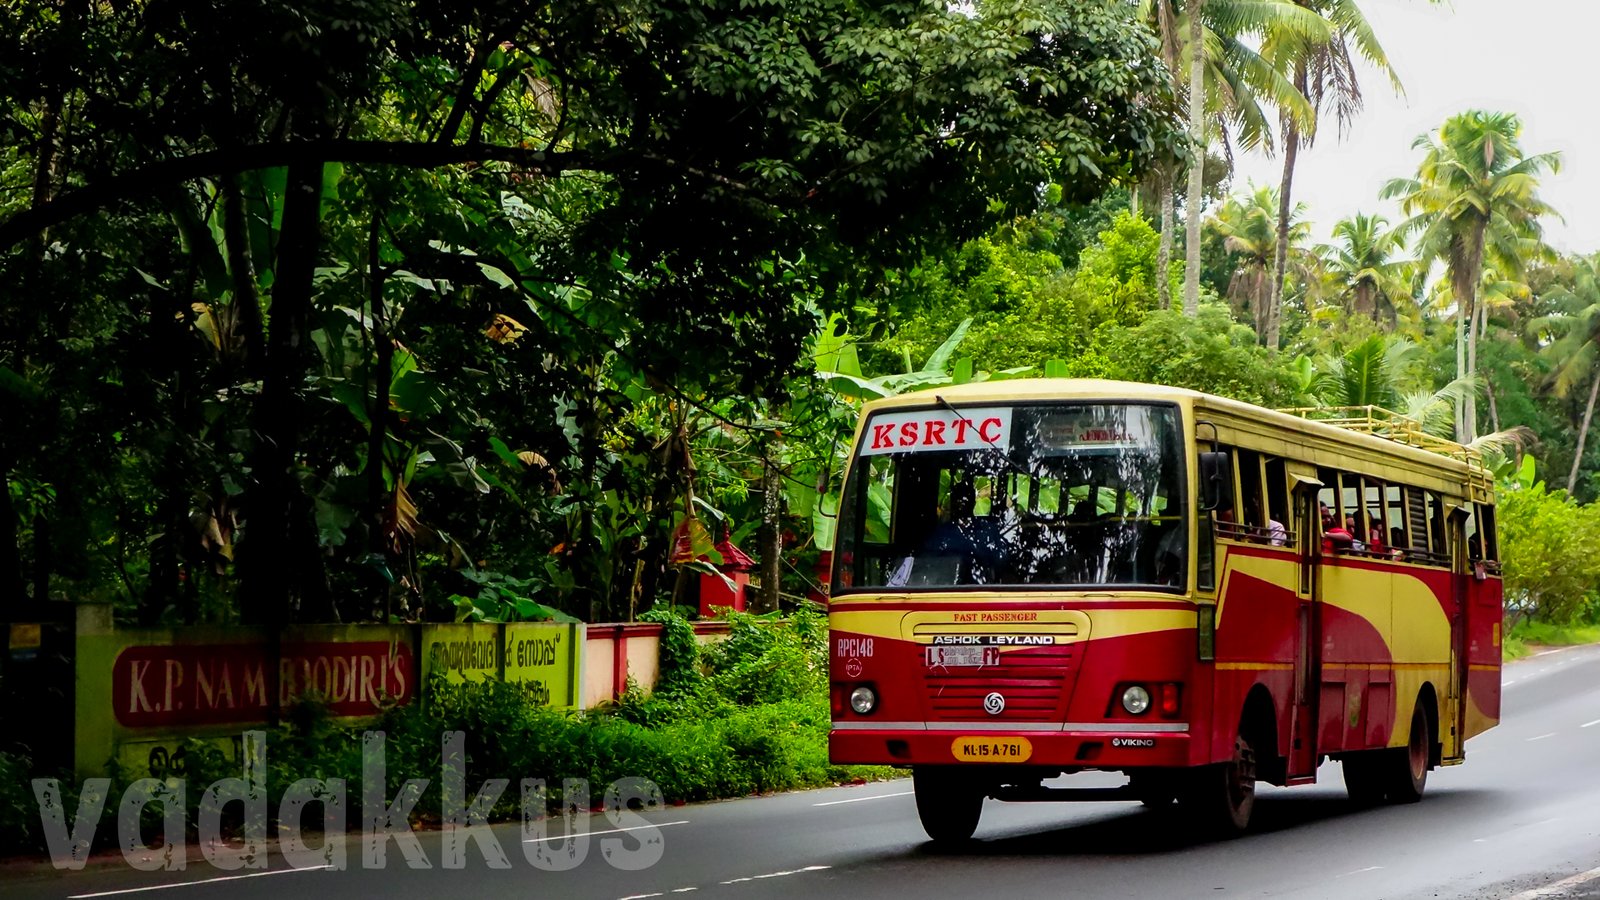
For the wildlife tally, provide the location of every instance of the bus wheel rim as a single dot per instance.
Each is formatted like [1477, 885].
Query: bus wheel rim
[1242, 774]
[1418, 750]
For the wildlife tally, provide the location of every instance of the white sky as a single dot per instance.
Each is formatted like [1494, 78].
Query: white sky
[1536, 58]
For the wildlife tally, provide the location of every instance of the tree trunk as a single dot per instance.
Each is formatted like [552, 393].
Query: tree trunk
[1465, 271]
[1197, 165]
[1280, 262]
[242, 275]
[378, 494]
[1461, 371]
[1471, 417]
[771, 531]
[1366, 302]
[1263, 301]
[12, 591]
[1583, 433]
[269, 570]
[43, 551]
[172, 334]
[1168, 175]
[1494, 411]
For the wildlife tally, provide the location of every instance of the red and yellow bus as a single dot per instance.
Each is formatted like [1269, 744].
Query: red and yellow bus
[1051, 576]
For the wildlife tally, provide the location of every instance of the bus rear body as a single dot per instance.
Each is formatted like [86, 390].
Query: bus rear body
[1051, 576]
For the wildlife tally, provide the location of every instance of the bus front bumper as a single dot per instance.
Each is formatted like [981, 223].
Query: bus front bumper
[1073, 746]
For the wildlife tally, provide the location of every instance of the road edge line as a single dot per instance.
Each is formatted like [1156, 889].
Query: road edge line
[1555, 889]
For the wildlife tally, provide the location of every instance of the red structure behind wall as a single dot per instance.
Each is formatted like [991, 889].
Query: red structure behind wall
[715, 593]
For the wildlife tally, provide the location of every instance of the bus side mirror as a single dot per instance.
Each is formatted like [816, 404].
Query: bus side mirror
[1216, 479]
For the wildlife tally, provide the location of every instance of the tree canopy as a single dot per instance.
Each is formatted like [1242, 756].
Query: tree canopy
[321, 310]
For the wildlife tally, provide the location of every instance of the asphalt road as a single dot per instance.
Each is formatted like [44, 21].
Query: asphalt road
[1522, 814]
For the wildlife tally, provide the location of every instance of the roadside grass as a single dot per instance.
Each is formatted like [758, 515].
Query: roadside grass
[1528, 638]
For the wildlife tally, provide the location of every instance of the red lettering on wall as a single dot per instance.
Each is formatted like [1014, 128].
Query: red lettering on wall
[138, 701]
[216, 684]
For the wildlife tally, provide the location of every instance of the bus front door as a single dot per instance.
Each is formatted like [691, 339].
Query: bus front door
[1307, 665]
[1451, 736]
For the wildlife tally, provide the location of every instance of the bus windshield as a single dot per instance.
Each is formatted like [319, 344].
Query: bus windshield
[1046, 495]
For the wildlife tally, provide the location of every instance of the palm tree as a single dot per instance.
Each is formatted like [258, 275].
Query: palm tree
[1227, 85]
[1362, 261]
[1496, 290]
[1475, 198]
[1576, 351]
[1325, 74]
[1247, 223]
[1382, 371]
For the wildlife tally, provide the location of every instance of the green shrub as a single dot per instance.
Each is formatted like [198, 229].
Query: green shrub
[19, 814]
[748, 715]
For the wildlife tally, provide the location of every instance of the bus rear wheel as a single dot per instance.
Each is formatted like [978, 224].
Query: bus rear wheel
[1408, 768]
[1221, 797]
[949, 803]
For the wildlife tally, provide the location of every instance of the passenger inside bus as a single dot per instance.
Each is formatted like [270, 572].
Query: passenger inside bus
[1356, 543]
[974, 540]
[1374, 533]
[1334, 535]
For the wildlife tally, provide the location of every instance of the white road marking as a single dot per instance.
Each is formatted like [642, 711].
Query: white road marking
[177, 884]
[1541, 737]
[1359, 871]
[776, 874]
[1516, 830]
[1590, 724]
[641, 896]
[860, 799]
[1558, 888]
[684, 890]
[562, 837]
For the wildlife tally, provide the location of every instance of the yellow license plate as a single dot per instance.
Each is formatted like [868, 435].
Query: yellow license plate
[992, 749]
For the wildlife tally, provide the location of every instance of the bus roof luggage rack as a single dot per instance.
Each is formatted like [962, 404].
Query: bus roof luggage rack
[1402, 429]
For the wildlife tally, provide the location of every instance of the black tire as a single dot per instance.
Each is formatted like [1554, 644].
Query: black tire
[1407, 771]
[949, 803]
[1221, 798]
[1363, 777]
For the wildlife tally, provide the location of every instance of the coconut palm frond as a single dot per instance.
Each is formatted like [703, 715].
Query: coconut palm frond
[1435, 410]
[1516, 437]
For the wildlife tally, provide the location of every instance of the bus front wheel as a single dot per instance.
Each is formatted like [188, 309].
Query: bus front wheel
[1221, 797]
[949, 803]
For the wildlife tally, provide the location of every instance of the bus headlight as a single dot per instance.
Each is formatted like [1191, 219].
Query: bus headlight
[1136, 700]
[863, 700]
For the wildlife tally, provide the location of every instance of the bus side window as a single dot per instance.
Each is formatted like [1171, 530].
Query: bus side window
[1416, 519]
[1372, 517]
[1278, 506]
[1491, 540]
[1436, 530]
[1351, 516]
[1254, 525]
[1327, 505]
[1474, 540]
[1226, 515]
[1397, 538]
